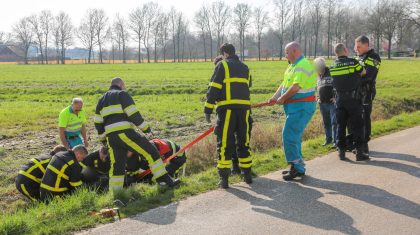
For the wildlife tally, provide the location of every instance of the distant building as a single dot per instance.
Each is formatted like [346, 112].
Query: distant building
[10, 53]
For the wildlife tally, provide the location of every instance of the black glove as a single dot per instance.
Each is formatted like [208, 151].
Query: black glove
[208, 117]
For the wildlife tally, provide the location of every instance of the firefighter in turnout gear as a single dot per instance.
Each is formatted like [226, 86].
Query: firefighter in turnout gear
[96, 166]
[346, 73]
[63, 173]
[372, 62]
[228, 92]
[29, 178]
[136, 165]
[115, 118]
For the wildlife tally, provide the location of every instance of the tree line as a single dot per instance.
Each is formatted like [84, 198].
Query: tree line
[149, 33]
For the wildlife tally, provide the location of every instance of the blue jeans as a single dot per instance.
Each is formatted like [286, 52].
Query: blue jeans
[328, 112]
[298, 116]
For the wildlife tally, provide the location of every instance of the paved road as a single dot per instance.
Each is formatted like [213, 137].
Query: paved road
[377, 197]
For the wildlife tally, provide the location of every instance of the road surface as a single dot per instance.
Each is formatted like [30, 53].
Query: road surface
[336, 197]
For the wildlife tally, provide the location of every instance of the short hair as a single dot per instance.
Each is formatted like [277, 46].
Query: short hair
[80, 148]
[320, 62]
[77, 100]
[339, 48]
[294, 45]
[117, 81]
[217, 59]
[363, 39]
[104, 150]
[227, 48]
[57, 149]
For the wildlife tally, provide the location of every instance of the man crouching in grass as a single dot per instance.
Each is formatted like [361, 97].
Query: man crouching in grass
[63, 173]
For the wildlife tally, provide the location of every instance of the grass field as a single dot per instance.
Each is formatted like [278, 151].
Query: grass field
[170, 96]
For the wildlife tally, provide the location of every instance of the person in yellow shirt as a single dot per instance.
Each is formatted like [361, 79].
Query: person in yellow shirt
[72, 125]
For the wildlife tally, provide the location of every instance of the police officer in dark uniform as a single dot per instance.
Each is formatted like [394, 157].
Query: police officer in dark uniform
[346, 73]
[228, 91]
[115, 118]
[372, 62]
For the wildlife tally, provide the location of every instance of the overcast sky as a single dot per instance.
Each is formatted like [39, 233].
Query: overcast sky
[12, 10]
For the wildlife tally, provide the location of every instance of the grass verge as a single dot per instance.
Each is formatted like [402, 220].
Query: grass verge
[72, 213]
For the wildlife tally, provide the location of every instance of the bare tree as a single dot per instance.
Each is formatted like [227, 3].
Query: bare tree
[220, 13]
[330, 14]
[65, 32]
[174, 15]
[260, 22]
[87, 32]
[374, 22]
[136, 24]
[122, 35]
[394, 12]
[242, 15]
[23, 34]
[46, 21]
[200, 22]
[316, 17]
[156, 32]
[282, 14]
[100, 26]
[164, 35]
[150, 10]
[34, 20]
[2, 37]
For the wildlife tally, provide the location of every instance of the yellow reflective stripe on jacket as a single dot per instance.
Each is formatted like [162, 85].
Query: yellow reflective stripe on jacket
[75, 184]
[216, 85]
[27, 175]
[227, 102]
[208, 105]
[112, 109]
[98, 119]
[226, 67]
[118, 126]
[130, 110]
[22, 186]
[240, 80]
[47, 187]
[37, 164]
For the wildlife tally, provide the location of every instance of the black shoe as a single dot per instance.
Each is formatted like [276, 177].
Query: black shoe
[224, 177]
[168, 181]
[361, 155]
[236, 170]
[247, 175]
[293, 173]
[366, 148]
[342, 155]
[287, 171]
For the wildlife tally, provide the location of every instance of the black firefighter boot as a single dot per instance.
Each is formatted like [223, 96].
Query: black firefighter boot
[167, 180]
[247, 175]
[342, 154]
[224, 177]
[361, 155]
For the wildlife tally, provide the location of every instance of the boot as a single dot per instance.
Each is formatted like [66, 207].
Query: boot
[287, 172]
[293, 173]
[366, 148]
[235, 169]
[247, 175]
[361, 155]
[167, 180]
[342, 154]
[224, 177]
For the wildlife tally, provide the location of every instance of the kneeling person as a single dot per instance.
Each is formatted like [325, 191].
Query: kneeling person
[96, 168]
[63, 173]
[166, 148]
[29, 178]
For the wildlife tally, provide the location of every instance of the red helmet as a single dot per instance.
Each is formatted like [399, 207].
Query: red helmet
[161, 146]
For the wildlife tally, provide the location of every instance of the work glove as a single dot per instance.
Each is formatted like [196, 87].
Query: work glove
[208, 117]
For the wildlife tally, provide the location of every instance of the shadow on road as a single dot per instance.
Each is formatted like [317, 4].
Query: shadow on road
[396, 156]
[368, 194]
[163, 215]
[291, 201]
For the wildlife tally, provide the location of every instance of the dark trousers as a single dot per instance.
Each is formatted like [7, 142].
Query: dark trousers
[231, 122]
[349, 111]
[95, 180]
[367, 108]
[119, 144]
[330, 121]
[27, 187]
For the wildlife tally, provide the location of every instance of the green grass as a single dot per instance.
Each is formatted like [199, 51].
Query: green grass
[170, 96]
[59, 217]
